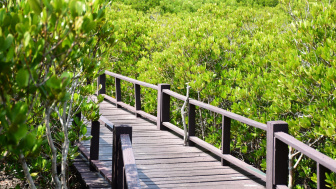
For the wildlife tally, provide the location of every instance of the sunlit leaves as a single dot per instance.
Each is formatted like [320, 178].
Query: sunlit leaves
[36, 5]
[261, 63]
[49, 50]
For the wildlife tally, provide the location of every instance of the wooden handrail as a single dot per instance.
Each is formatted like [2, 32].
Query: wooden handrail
[131, 177]
[106, 122]
[324, 163]
[124, 171]
[277, 137]
[134, 81]
[218, 110]
[307, 150]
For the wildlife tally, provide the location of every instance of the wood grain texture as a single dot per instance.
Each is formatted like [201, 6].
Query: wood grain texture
[163, 161]
[91, 179]
[131, 172]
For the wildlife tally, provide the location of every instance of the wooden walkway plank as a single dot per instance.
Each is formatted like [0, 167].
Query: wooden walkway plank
[90, 179]
[162, 160]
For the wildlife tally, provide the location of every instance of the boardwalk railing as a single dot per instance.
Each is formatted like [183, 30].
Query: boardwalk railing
[278, 138]
[124, 172]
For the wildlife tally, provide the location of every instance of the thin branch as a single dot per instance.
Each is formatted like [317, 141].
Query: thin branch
[26, 171]
[53, 149]
[183, 116]
[297, 162]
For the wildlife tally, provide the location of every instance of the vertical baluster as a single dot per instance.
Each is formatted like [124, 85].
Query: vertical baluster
[137, 99]
[226, 132]
[277, 155]
[191, 123]
[117, 160]
[118, 91]
[94, 143]
[102, 81]
[163, 108]
[321, 171]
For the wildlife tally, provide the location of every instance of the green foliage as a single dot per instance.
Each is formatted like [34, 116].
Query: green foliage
[177, 6]
[49, 51]
[265, 63]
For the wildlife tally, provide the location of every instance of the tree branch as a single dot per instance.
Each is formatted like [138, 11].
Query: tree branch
[26, 171]
[53, 150]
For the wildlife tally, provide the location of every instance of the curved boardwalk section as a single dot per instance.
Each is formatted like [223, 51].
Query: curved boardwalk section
[162, 160]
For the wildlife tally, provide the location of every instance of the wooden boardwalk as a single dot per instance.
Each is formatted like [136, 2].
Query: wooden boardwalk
[162, 160]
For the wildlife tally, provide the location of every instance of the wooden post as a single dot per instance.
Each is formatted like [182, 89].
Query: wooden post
[226, 132]
[118, 91]
[94, 143]
[321, 171]
[277, 156]
[163, 108]
[117, 160]
[137, 99]
[102, 81]
[191, 123]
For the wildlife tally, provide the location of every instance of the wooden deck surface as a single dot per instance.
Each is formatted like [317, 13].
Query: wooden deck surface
[90, 179]
[162, 160]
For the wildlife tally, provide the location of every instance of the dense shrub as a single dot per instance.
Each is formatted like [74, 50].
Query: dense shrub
[49, 52]
[260, 62]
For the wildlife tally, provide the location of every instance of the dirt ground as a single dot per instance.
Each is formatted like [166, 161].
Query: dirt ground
[9, 181]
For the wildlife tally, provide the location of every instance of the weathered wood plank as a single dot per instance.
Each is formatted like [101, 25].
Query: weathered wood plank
[130, 169]
[91, 179]
[163, 161]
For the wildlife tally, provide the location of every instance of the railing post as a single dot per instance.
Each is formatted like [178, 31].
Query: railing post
[94, 143]
[163, 106]
[118, 91]
[226, 132]
[321, 171]
[102, 81]
[191, 123]
[277, 155]
[137, 99]
[117, 159]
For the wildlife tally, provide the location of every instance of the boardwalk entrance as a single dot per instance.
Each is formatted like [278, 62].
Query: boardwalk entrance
[162, 160]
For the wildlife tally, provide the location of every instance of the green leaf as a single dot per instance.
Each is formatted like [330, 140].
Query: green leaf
[330, 131]
[100, 98]
[29, 141]
[8, 41]
[88, 25]
[53, 82]
[19, 132]
[10, 54]
[22, 78]
[84, 130]
[33, 174]
[35, 5]
[58, 4]
[26, 39]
